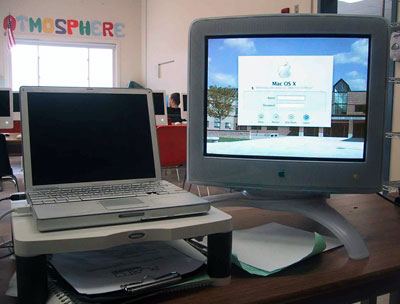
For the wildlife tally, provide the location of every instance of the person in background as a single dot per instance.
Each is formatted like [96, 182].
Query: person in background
[173, 110]
[174, 100]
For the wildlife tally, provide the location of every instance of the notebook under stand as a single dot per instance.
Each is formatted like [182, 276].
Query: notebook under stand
[31, 246]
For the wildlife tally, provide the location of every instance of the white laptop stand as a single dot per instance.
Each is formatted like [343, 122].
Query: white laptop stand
[32, 246]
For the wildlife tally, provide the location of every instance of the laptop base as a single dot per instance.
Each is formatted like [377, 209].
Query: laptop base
[119, 217]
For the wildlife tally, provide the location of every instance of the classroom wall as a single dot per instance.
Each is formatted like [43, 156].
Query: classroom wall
[129, 12]
[168, 25]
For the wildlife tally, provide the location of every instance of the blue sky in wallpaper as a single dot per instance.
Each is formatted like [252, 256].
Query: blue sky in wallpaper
[350, 56]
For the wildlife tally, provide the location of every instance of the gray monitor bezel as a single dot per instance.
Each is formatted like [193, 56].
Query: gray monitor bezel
[328, 176]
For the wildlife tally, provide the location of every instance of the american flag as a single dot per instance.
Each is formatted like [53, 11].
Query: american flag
[10, 34]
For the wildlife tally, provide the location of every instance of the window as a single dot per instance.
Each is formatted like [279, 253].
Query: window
[340, 104]
[242, 128]
[272, 128]
[360, 108]
[256, 128]
[311, 131]
[62, 65]
[228, 125]
[340, 97]
[217, 124]
[293, 131]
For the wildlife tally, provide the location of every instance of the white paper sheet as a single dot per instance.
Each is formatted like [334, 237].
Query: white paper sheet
[274, 246]
[100, 271]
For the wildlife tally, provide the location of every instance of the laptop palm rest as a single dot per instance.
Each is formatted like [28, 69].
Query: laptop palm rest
[122, 203]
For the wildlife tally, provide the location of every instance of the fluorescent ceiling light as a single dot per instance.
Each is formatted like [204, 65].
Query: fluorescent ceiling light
[351, 1]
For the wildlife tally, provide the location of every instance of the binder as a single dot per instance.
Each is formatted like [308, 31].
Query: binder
[60, 292]
[129, 271]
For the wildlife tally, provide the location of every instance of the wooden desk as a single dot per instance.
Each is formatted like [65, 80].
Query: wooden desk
[14, 144]
[330, 277]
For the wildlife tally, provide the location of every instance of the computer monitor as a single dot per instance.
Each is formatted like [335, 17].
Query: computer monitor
[160, 108]
[16, 106]
[304, 96]
[184, 106]
[289, 104]
[6, 109]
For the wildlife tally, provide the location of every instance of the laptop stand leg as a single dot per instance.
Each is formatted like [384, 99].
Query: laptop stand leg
[32, 279]
[219, 257]
[184, 180]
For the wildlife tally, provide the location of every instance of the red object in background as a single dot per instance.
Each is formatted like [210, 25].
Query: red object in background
[285, 10]
[16, 129]
[172, 143]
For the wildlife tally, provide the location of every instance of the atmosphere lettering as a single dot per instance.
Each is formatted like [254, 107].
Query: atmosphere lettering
[35, 24]
[61, 26]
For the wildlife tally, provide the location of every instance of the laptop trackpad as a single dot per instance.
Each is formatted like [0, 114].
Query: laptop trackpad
[122, 203]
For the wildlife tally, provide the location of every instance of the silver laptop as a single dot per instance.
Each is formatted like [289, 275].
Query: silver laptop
[91, 159]
[160, 108]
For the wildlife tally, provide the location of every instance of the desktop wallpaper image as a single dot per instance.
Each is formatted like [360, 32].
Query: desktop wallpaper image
[344, 135]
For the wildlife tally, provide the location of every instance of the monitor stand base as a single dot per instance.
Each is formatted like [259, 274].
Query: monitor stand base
[314, 207]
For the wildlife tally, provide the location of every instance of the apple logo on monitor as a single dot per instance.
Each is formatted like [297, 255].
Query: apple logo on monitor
[284, 70]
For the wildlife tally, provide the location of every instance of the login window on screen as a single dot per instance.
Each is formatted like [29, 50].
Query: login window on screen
[293, 91]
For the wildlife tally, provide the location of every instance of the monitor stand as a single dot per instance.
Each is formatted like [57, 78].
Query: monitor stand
[312, 206]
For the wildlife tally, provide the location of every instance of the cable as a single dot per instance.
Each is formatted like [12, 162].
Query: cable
[5, 213]
[18, 196]
[394, 202]
[21, 210]
[5, 243]
[6, 255]
[15, 197]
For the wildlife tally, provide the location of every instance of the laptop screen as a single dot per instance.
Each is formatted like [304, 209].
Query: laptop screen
[158, 100]
[88, 137]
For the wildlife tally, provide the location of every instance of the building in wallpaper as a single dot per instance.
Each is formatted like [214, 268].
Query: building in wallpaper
[348, 119]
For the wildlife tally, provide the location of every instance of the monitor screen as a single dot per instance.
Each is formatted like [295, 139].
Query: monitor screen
[16, 102]
[288, 102]
[295, 97]
[184, 97]
[159, 103]
[5, 110]
[81, 137]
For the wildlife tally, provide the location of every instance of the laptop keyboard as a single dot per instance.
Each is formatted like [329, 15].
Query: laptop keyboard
[88, 193]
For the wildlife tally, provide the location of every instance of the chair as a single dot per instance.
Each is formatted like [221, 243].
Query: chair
[172, 143]
[6, 172]
[174, 114]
